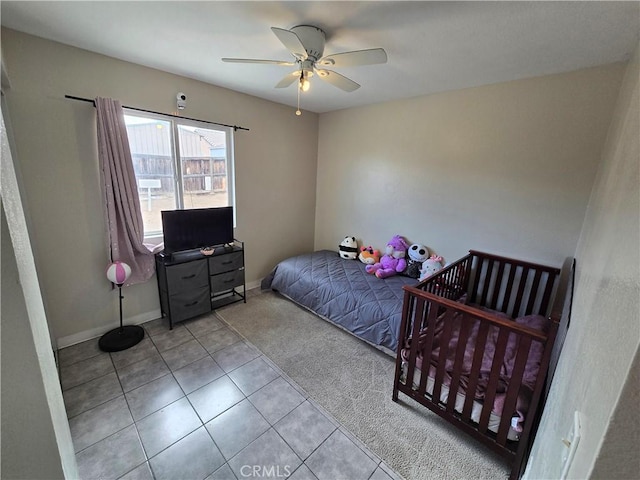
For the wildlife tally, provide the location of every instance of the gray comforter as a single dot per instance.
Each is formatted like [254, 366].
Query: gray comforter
[341, 291]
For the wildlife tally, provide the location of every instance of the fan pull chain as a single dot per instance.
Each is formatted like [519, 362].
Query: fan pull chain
[298, 112]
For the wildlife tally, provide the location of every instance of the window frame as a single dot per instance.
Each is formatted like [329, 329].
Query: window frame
[156, 237]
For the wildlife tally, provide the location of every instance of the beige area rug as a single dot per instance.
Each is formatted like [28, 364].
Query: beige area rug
[353, 381]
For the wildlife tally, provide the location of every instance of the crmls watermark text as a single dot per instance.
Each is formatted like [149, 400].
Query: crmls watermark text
[265, 471]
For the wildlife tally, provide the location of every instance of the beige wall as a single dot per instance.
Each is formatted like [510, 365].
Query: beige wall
[27, 427]
[510, 168]
[34, 421]
[56, 147]
[594, 374]
[505, 168]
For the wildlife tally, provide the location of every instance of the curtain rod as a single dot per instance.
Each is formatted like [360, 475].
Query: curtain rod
[235, 127]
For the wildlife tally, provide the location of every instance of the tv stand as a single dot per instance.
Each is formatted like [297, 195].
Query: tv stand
[191, 283]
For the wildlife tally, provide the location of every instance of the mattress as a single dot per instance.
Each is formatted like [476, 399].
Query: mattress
[476, 410]
[532, 357]
[342, 292]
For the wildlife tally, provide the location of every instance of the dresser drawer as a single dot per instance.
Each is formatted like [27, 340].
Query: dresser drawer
[225, 263]
[226, 281]
[187, 276]
[189, 304]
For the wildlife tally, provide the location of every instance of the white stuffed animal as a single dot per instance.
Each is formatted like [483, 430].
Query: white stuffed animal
[430, 266]
[418, 254]
[348, 248]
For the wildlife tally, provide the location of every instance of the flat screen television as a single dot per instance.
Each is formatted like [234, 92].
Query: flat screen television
[196, 228]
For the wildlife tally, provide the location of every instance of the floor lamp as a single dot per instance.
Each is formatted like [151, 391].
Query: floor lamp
[125, 336]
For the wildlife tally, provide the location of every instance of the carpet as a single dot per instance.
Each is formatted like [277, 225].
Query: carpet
[353, 381]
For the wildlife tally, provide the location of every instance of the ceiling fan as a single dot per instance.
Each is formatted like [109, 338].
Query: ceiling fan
[306, 43]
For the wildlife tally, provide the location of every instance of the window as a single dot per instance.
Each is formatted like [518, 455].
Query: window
[178, 163]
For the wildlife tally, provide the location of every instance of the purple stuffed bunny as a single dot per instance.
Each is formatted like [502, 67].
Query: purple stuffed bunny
[392, 262]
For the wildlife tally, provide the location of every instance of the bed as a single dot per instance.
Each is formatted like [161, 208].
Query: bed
[478, 343]
[342, 292]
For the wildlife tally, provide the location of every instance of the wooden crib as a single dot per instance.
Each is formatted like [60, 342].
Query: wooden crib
[491, 326]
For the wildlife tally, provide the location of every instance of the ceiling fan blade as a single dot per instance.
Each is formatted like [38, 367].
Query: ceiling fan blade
[355, 58]
[338, 80]
[288, 79]
[291, 41]
[251, 60]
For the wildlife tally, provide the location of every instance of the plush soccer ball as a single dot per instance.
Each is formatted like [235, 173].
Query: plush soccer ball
[368, 255]
[348, 248]
[417, 255]
[430, 266]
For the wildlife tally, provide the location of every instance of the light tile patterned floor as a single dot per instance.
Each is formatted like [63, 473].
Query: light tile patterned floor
[198, 402]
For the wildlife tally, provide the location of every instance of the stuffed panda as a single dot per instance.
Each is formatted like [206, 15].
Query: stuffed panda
[348, 248]
[417, 255]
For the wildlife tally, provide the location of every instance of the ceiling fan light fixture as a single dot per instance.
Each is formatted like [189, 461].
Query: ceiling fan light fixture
[303, 83]
[306, 43]
[298, 112]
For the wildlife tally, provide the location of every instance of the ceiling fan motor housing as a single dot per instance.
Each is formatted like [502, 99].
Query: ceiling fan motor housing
[312, 38]
[306, 43]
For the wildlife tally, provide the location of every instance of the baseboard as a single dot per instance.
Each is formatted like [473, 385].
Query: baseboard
[99, 331]
[135, 320]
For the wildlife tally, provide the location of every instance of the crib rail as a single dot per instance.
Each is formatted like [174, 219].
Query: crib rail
[457, 298]
[515, 287]
[450, 282]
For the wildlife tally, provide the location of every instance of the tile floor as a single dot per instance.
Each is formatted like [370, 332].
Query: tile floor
[199, 402]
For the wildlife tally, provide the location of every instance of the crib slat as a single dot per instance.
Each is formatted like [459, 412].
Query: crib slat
[456, 277]
[444, 286]
[521, 284]
[497, 287]
[533, 292]
[407, 314]
[465, 326]
[487, 282]
[467, 275]
[415, 338]
[474, 375]
[476, 282]
[507, 292]
[494, 376]
[455, 283]
[428, 346]
[445, 337]
[524, 345]
[544, 306]
[463, 275]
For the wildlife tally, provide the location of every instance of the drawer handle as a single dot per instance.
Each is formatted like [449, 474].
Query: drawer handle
[191, 304]
[228, 281]
[228, 262]
[189, 276]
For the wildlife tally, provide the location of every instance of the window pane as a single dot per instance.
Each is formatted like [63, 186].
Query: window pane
[151, 152]
[178, 165]
[204, 163]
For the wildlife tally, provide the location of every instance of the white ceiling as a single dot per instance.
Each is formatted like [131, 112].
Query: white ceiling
[431, 46]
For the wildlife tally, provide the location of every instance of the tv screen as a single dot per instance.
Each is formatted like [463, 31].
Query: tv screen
[196, 228]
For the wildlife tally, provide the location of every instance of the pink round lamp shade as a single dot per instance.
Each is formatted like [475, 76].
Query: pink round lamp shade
[125, 336]
[118, 272]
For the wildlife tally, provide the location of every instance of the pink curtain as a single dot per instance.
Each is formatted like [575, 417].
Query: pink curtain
[122, 205]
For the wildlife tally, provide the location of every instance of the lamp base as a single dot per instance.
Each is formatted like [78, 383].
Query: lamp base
[121, 338]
